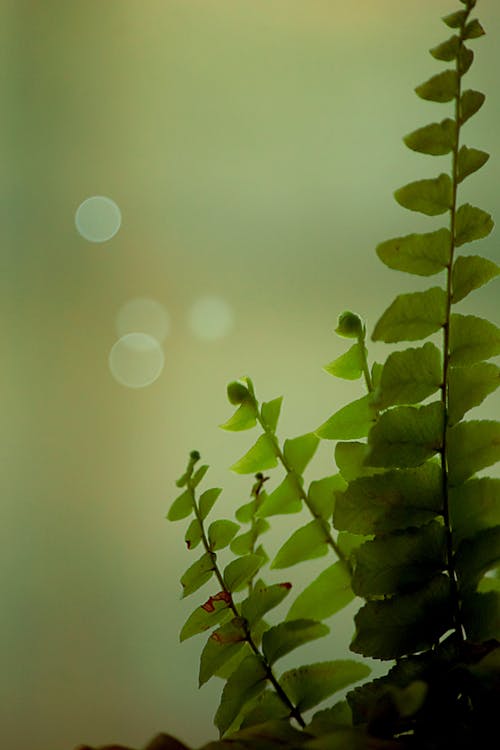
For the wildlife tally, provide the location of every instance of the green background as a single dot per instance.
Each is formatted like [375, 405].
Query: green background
[252, 147]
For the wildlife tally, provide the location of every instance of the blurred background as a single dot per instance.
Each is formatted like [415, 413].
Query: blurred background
[192, 190]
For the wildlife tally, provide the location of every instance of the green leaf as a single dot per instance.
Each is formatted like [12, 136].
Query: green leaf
[325, 595]
[182, 506]
[476, 556]
[299, 451]
[222, 645]
[261, 600]
[431, 197]
[215, 610]
[246, 682]
[472, 446]
[421, 254]
[245, 512]
[306, 543]
[436, 139]
[473, 30]
[243, 543]
[469, 386]
[394, 500]
[244, 418]
[328, 719]
[348, 366]
[207, 501]
[398, 562]
[481, 616]
[265, 707]
[197, 574]
[267, 736]
[284, 499]
[465, 59]
[448, 50]
[406, 436]
[193, 534]
[472, 339]
[470, 102]
[469, 161]
[410, 376]
[220, 533]
[405, 623]
[350, 459]
[289, 635]
[307, 686]
[198, 475]
[457, 19]
[321, 495]
[412, 317]
[270, 412]
[474, 506]
[238, 572]
[442, 87]
[260, 457]
[471, 224]
[352, 421]
[471, 272]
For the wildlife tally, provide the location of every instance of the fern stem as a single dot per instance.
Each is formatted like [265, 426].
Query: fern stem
[294, 711]
[364, 359]
[455, 596]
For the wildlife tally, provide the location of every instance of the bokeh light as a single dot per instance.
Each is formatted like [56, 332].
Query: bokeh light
[143, 314]
[136, 360]
[98, 218]
[211, 318]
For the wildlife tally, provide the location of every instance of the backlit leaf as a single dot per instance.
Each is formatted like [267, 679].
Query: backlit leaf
[198, 475]
[410, 376]
[238, 572]
[350, 459]
[222, 645]
[421, 254]
[284, 499]
[352, 421]
[469, 386]
[473, 30]
[470, 102]
[412, 316]
[213, 611]
[472, 339]
[406, 436]
[465, 59]
[306, 543]
[307, 686]
[457, 19]
[182, 506]
[400, 561]
[442, 87]
[264, 707]
[471, 224]
[481, 615]
[436, 139]
[261, 600]
[299, 451]
[394, 500]
[431, 197]
[246, 512]
[289, 635]
[261, 456]
[447, 50]
[474, 557]
[207, 501]
[405, 623]
[328, 719]
[321, 495]
[243, 543]
[270, 412]
[349, 365]
[247, 681]
[220, 533]
[469, 161]
[474, 506]
[325, 595]
[197, 574]
[471, 272]
[193, 534]
[472, 446]
[244, 418]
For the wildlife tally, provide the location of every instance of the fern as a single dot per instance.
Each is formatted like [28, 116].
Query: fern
[406, 523]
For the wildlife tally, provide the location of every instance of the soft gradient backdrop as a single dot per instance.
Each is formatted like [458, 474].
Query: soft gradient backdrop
[252, 147]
